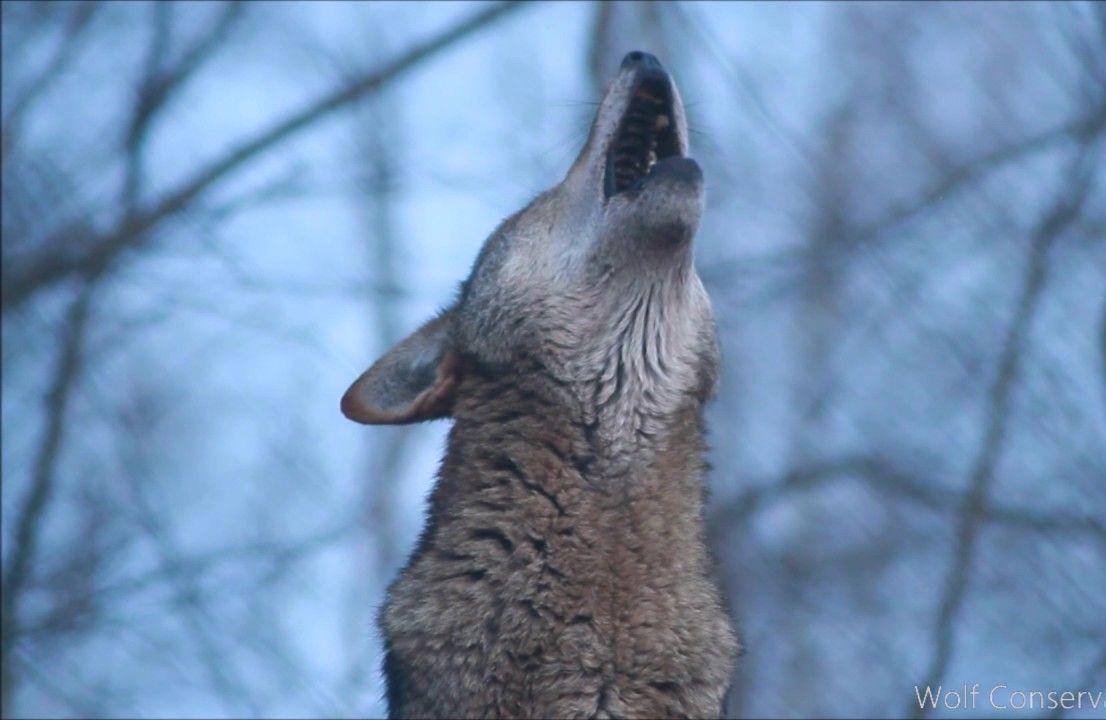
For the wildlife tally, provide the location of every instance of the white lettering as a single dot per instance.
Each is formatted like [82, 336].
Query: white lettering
[991, 697]
[929, 696]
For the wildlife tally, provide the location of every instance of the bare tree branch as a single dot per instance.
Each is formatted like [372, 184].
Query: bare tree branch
[787, 262]
[158, 84]
[884, 477]
[975, 169]
[28, 520]
[134, 229]
[974, 504]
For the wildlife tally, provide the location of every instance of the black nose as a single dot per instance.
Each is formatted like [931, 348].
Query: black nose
[640, 59]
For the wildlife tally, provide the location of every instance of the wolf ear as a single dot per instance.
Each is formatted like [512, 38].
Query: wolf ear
[414, 381]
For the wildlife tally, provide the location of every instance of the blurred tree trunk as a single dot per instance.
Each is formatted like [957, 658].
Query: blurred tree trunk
[378, 159]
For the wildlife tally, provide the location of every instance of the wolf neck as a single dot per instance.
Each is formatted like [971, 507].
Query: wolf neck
[617, 423]
[640, 378]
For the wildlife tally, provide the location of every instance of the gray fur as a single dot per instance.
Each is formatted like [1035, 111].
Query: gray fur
[562, 571]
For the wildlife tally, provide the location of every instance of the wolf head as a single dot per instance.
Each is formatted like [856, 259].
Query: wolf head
[593, 281]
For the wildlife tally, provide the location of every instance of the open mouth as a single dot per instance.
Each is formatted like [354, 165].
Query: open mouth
[646, 134]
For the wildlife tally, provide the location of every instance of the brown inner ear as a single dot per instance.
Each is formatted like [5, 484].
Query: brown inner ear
[436, 401]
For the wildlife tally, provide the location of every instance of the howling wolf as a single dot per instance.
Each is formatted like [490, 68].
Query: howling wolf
[562, 570]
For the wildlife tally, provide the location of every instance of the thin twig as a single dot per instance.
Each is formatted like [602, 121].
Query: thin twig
[206, 563]
[1087, 679]
[67, 50]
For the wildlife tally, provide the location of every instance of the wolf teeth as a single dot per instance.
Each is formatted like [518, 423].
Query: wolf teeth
[644, 136]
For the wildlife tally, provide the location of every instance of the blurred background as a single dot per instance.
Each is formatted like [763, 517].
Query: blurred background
[215, 215]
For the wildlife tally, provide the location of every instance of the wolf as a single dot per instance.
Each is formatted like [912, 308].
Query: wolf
[562, 571]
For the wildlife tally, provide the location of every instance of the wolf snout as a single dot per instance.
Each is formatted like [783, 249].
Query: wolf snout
[638, 58]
